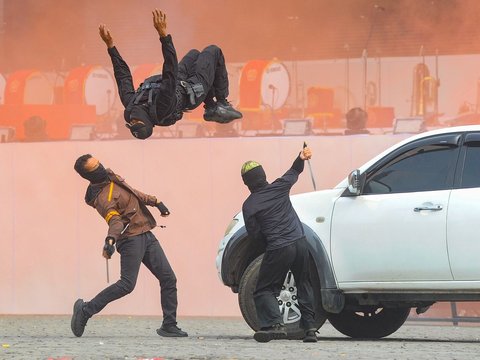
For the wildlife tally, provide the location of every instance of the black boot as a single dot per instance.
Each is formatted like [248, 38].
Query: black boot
[223, 112]
[274, 332]
[79, 319]
[310, 336]
[171, 331]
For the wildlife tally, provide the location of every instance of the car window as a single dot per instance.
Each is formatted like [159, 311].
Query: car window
[424, 168]
[471, 168]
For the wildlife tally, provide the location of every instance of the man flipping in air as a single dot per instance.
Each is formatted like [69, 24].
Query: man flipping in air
[162, 99]
[270, 217]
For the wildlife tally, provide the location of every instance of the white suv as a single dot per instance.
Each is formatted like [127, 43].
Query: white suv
[401, 232]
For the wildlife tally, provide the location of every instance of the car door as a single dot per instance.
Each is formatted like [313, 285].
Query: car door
[463, 223]
[395, 230]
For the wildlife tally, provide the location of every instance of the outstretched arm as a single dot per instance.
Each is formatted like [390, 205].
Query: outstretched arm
[170, 61]
[121, 71]
[152, 201]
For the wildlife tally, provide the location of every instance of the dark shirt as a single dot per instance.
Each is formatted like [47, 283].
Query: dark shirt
[165, 96]
[269, 214]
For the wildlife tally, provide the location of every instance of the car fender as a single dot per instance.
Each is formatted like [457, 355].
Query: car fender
[333, 299]
[240, 251]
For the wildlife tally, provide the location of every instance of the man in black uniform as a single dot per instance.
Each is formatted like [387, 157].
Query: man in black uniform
[129, 223]
[269, 216]
[162, 99]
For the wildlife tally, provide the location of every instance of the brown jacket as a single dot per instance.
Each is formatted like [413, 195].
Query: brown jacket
[121, 205]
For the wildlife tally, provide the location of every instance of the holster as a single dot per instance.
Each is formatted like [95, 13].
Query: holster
[194, 91]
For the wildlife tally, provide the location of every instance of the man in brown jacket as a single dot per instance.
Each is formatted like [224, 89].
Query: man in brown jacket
[129, 224]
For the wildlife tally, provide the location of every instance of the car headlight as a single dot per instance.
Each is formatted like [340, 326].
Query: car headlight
[230, 226]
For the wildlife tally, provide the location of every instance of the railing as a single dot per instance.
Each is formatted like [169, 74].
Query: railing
[455, 318]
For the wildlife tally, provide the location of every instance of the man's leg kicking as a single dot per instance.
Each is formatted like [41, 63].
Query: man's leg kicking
[131, 253]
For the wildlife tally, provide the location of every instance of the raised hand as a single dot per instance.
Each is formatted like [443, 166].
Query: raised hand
[160, 22]
[105, 35]
[306, 154]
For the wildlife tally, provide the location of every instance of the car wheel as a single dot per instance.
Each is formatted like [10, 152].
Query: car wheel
[371, 324]
[287, 301]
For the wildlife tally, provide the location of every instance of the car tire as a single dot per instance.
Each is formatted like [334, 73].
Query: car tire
[371, 324]
[247, 305]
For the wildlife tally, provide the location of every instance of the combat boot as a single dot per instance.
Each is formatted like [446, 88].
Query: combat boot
[171, 331]
[310, 336]
[79, 319]
[222, 112]
[274, 332]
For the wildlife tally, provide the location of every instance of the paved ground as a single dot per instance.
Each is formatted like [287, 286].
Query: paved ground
[122, 337]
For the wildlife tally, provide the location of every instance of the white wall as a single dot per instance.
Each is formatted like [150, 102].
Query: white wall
[51, 240]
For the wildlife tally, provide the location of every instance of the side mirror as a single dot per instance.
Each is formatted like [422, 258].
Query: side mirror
[355, 182]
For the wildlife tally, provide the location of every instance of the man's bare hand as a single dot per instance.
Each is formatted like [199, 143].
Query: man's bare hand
[105, 35]
[160, 22]
[306, 154]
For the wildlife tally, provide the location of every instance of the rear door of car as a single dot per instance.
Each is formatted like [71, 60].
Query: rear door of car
[395, 230]
[463, 226]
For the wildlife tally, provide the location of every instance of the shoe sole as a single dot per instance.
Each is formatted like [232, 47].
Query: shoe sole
[266, 336]
[310, 340]
[76, 309]
[222, 120]
[167, 334]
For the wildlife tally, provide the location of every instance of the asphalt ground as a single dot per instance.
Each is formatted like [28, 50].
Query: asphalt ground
[125, 337]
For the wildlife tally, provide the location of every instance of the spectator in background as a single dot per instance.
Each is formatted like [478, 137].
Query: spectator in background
[35, 128]
[356, 121]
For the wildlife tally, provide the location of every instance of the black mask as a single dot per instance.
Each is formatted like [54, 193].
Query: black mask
[96, 176]
[143, 129]
[255, 179]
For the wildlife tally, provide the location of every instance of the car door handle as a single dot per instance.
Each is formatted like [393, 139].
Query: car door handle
[428, 208]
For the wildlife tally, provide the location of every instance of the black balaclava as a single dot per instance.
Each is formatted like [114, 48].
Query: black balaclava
[96, 176]
[254, 176]
[139, 130]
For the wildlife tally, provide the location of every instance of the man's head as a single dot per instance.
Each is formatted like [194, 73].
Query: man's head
[140, 124]
[356, 118]
[91, 169]
[253, 175]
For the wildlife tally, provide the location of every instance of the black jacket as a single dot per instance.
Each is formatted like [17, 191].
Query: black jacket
[165, 99]
[269, 214]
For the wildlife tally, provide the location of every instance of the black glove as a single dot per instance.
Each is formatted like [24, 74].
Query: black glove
[163, 209]
[107, 248]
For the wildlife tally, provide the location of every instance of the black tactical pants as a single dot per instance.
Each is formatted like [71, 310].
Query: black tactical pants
[146, 249]
[273, 270]
[206, 68]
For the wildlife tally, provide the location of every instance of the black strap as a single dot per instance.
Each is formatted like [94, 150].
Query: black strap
[138, 96]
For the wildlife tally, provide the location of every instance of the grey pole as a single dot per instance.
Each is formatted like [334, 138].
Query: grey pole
[310, 168]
